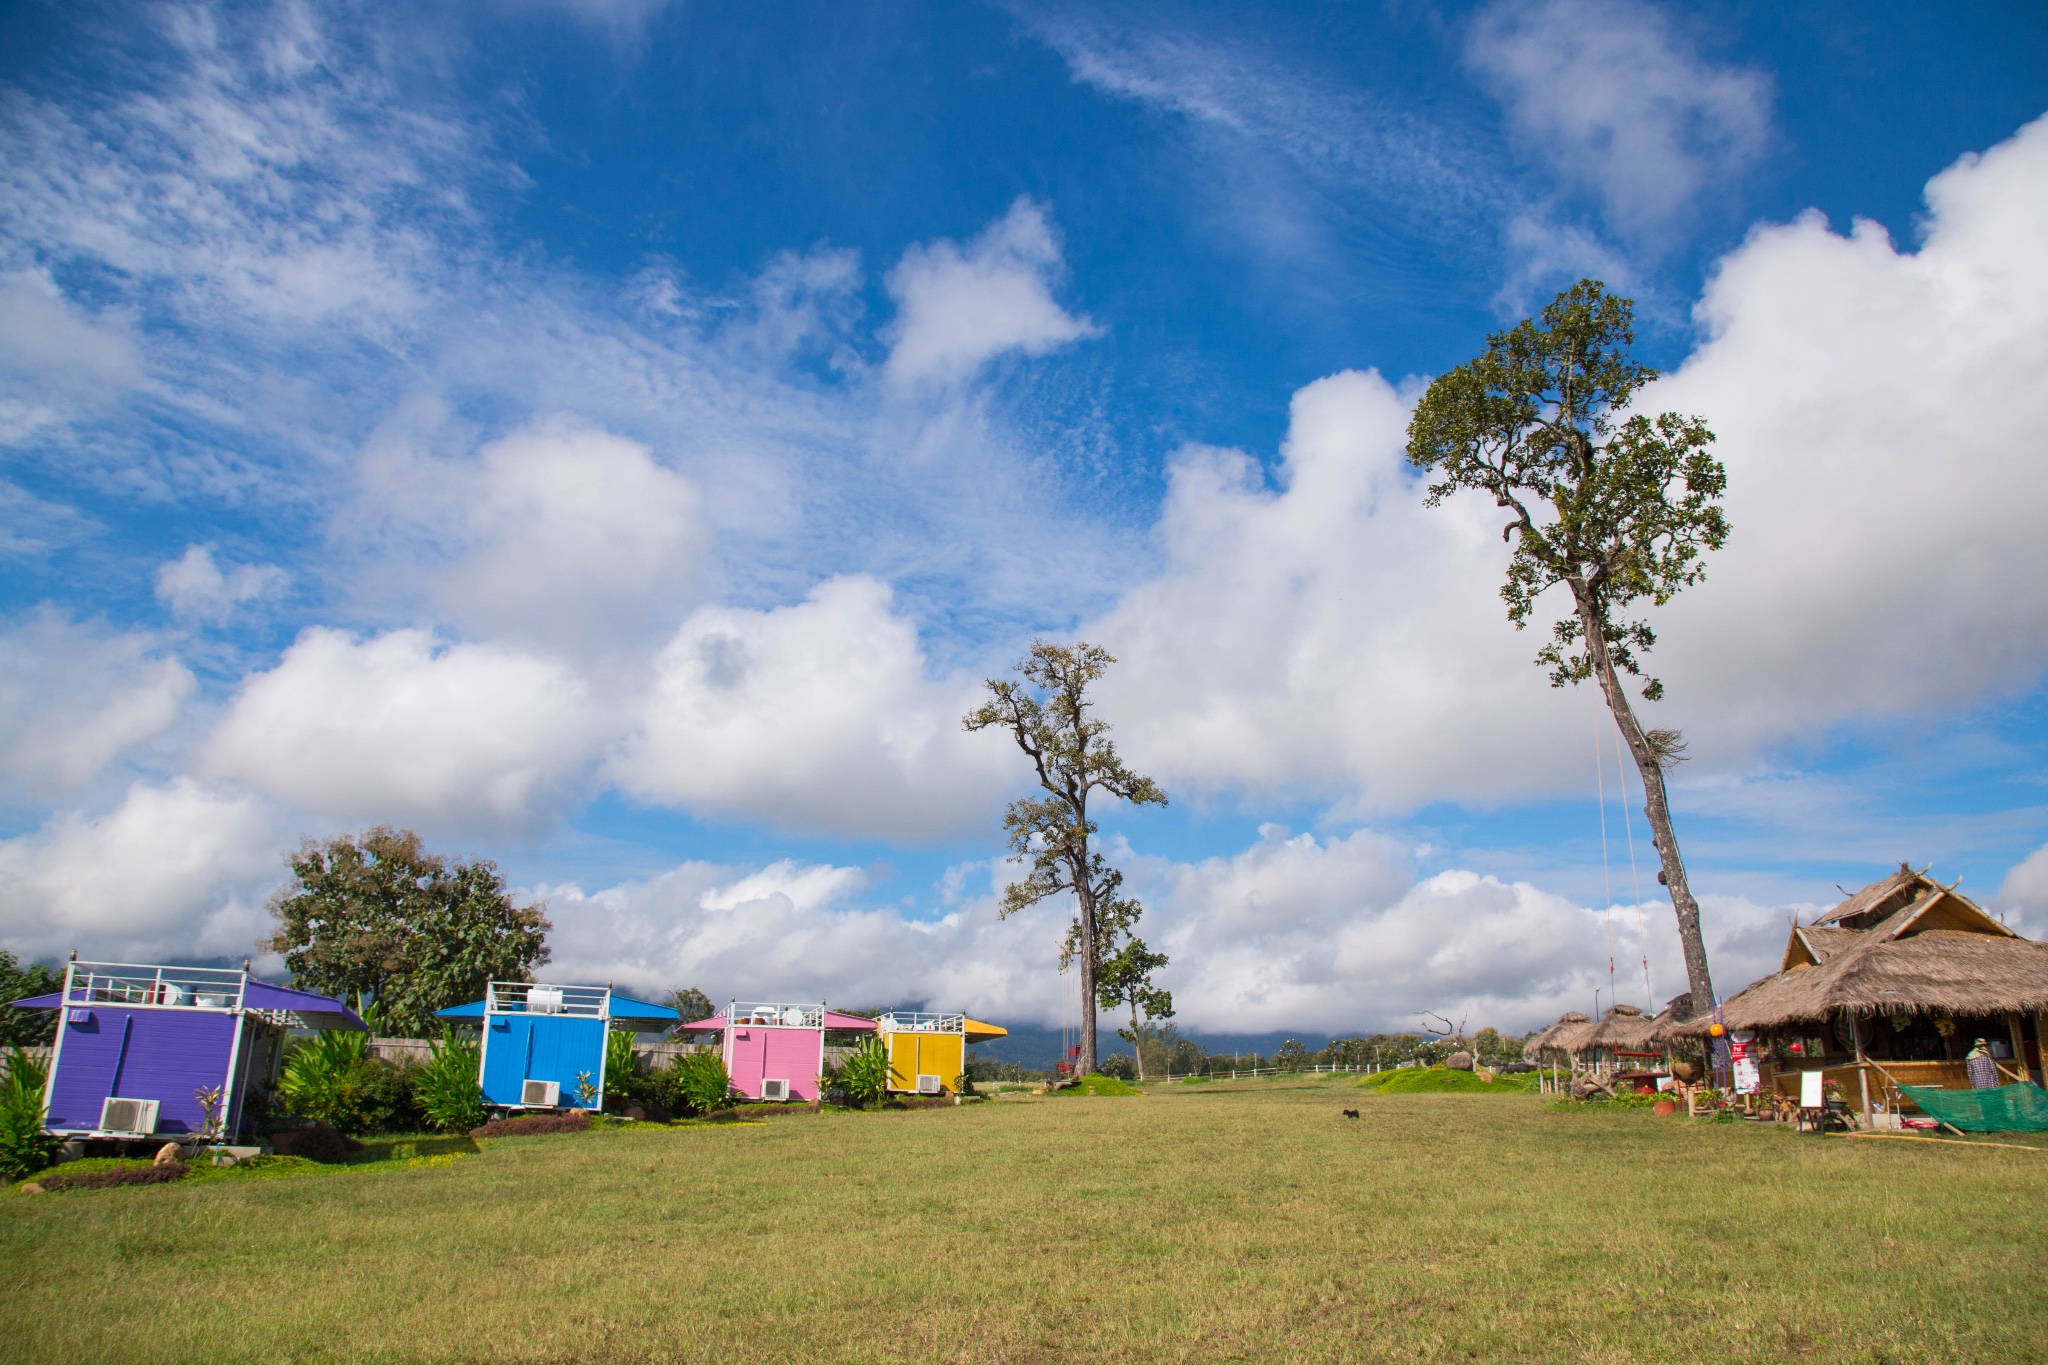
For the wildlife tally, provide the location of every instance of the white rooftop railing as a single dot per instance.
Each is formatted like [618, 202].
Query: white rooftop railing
[156, 987]
[534, 997]
[767, 1014]
[903, 1021]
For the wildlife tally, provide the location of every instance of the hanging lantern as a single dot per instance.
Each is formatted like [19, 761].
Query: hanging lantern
[1716, 1030]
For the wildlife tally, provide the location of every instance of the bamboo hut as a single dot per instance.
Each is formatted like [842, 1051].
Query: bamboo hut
[1556, 1046]
[1893, 985]
[1623, 1040]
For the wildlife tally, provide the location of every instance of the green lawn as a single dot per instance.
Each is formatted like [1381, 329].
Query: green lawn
[1227, 1221]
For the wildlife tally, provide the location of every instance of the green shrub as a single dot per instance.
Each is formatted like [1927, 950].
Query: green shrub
[24, 1147]
[698, 1082]
[445, 1089]
[622, 1075]
[332, 1078]
[1098, 1084]
[864, 1076]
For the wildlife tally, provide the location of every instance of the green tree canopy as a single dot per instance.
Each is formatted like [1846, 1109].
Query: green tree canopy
[380, 917]
[1616, 506]
[18, 981]
[692, 1004]
[1047, 715]
[1126, 981]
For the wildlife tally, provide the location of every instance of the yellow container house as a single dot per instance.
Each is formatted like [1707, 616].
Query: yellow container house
[928, 1052]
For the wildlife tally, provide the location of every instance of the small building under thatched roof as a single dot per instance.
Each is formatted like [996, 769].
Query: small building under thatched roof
[1555, 1044]
[1622, 1030]
[1905, 971]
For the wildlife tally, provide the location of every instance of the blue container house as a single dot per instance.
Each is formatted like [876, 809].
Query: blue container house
[543, 1045]
[141, 1050]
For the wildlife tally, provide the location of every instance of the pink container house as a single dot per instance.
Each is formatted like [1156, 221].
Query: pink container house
[776, 1051]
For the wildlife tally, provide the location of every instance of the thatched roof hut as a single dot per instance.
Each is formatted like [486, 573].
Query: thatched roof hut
[1623, 1028]
[1901, 949]
[1559, 1041]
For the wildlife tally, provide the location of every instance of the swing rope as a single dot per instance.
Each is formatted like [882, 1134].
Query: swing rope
[1606, 875]
[1635, 879]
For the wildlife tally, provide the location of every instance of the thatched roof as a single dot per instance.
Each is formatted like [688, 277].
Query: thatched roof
[1676, 1011]
[1555, 1043]
[1624, 1028]
[1901, 945]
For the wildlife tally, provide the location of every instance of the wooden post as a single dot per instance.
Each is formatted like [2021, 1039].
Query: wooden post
[1862, 1070]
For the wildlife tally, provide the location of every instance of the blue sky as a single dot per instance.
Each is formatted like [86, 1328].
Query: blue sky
[614, 437]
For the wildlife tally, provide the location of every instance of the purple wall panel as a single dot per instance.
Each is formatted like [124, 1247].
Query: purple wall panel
[165, 1055]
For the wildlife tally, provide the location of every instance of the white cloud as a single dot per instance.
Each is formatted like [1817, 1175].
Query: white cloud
[173, 868]
[75, 696]
[1293, 932]
[55, 359]
[195, 588]
[1878, 414]
[2024, 893]
[1334, 634]
[1881, 417]
[404, 727]
[1618, 103]
[559, 534]
[1244, 105]
[30, 525]
[794, 932]
[819, 715]
[959, 308]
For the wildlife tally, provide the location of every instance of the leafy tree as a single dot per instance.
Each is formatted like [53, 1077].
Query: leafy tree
[1292, 1056]
[18, 981]
[692, 1004]
[1616, 506]
[381, 918]
[1047, 714]
[1126, 979]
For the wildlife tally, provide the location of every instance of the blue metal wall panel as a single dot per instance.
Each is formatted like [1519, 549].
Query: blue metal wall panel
[518, 1048]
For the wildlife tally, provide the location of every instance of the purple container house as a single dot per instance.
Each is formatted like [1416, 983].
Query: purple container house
[136, 1046]
[776, 1052]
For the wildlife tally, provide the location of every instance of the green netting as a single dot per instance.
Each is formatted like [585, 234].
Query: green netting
[2006, 1109]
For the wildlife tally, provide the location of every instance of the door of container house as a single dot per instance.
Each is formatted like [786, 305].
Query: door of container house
[506, 1038]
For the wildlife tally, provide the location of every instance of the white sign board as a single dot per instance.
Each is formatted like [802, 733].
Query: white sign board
[1809, 1090]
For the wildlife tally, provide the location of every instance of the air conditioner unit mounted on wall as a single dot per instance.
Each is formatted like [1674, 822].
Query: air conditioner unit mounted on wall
[540, 1094]
[128, 1116]
[775, 1090]
[928, 1084]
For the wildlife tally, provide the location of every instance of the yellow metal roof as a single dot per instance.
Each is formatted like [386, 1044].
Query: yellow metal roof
[980, 1032]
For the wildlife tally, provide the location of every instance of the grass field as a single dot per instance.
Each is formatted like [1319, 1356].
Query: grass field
[1228, 1221]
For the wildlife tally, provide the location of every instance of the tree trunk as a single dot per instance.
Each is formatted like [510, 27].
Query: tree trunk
[1138, 1039]
[1084, 897]
[1656, 809]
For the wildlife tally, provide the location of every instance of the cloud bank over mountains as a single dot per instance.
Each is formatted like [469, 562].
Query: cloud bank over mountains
[746, 553]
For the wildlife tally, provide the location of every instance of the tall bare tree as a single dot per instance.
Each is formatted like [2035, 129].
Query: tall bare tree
[1047, 714]
[1616, 506]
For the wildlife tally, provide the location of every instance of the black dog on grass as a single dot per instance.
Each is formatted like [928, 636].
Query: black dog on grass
[1350, 1113]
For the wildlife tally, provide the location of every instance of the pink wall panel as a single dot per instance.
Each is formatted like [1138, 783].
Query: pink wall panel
[795, 1055]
